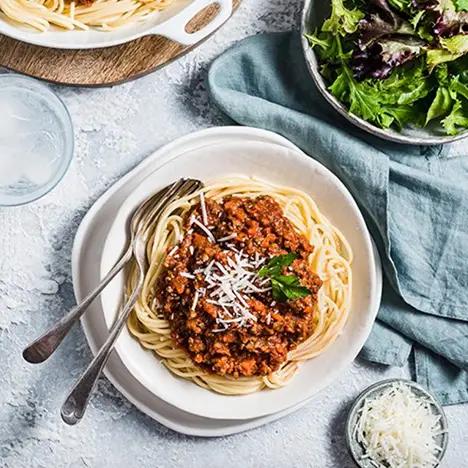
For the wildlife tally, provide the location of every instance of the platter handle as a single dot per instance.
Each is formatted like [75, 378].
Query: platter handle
[174, 28]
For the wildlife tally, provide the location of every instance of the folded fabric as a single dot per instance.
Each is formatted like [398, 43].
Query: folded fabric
[414, 200]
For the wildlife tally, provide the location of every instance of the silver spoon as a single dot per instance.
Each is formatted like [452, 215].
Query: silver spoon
[75, 405]
[42, 348]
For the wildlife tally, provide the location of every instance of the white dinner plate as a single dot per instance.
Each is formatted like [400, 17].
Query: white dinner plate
[277, 164]
[86, 260]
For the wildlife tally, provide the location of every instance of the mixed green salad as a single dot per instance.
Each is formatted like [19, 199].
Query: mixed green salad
[398, 62]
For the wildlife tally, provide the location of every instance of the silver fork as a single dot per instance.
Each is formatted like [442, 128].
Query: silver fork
[44, 346]
[75, 405]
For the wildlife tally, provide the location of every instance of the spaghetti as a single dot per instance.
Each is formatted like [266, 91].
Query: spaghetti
[330, 259]
[105, 15]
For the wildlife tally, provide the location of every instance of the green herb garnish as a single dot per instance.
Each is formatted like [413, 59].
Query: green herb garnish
[284, 287]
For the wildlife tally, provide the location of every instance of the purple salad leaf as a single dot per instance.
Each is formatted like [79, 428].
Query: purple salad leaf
[435, 5]
[450, 23]
[425, 4]
[378, 60]
[381, 21]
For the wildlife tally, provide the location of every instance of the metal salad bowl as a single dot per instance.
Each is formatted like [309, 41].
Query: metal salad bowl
[313, 16]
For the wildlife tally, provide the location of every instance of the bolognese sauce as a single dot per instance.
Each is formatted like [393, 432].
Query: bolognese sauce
[221, 312]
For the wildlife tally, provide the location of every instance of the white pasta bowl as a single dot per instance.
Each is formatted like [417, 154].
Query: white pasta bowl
[279, 165]
[170, 23]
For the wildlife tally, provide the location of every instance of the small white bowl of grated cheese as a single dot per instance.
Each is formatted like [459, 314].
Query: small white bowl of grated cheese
[396, 423]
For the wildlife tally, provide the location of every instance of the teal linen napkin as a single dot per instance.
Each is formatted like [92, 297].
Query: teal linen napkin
[414, 199]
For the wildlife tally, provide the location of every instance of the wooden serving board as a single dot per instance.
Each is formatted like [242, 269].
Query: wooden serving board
[98, 67]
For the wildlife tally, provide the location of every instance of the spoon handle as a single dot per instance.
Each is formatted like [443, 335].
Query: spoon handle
[42, 348]
[75, 405]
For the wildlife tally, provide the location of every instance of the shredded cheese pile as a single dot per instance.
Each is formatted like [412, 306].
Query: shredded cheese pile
[398, 429]
[228, 284]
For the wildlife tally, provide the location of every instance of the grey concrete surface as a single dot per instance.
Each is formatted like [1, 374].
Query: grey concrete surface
[116, 128]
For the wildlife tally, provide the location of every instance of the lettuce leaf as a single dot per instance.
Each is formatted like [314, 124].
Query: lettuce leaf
[417, 18]
[361, 98]
[452, 49]
[441, 105]
[448, 102]
[462, 5]
[405, 85]
[380, 103]
[401, 5]
[446, 5]
[327, 47]
[343, 20]
[397, 62]
[362, 102]
[456, 44]
[460, 67]
[438, 56]
[407, 114]
[459, 88]
[458, 118]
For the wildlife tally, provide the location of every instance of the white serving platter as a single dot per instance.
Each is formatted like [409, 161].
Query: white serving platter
[170, 23]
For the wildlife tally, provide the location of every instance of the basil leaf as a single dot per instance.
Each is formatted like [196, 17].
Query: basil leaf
[297, 292]
[288, 280]
[277, 291]
[275, 265]
[289, 287]
[283, 287]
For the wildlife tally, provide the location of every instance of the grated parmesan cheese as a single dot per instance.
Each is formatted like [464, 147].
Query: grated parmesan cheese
[205, 230]
[195, 300]
[187, 275]
[398, 429]
[173, 251]
[228, 238]
[227, 285]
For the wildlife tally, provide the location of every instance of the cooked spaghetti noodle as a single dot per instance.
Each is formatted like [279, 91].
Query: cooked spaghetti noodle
[101, 14]
[330, 260]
